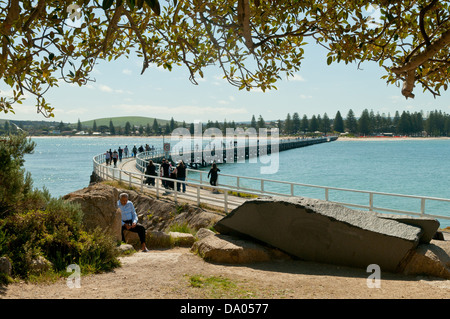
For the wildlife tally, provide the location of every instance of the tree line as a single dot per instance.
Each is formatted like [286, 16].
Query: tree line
[434, 123]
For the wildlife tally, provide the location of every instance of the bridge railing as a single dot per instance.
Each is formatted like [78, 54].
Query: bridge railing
[135, 179]
[361, 199]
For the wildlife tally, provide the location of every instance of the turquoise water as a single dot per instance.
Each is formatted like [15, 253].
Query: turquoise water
[411, 167]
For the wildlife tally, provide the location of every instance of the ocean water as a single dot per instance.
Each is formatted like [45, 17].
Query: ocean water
[409, 167]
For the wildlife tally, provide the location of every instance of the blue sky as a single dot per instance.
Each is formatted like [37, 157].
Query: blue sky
[317, 88]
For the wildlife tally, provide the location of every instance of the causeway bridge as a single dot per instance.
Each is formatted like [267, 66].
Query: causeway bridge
[233, 190]
[197, 157]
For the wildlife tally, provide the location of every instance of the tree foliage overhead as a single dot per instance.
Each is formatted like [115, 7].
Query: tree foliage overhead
[253, 42]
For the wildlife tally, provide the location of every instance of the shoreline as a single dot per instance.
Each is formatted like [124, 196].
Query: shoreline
[341, 138]
[392, 138]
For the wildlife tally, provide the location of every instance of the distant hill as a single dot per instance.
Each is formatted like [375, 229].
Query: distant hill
[122, 120]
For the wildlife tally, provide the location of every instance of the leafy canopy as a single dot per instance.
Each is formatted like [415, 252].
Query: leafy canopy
[253, 42]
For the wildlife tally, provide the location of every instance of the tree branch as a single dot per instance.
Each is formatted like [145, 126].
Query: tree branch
[422, 14]
[112, 25]
[244, 22]
[141, 40]
[427, 54]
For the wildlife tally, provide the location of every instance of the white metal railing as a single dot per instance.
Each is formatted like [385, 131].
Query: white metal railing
[138, 179]
[250, 185]
[269, 187]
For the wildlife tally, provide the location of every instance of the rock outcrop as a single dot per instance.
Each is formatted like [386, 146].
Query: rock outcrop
[277, 228]
[430, 259]
[321, 231]
[98, 203]
[225, 249]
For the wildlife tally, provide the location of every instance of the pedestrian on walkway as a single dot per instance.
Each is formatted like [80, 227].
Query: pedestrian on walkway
[151, 171]
[115, 157]
[165, 171]
[214, 173]
[181, 176]
[120, 154]
[107, 158]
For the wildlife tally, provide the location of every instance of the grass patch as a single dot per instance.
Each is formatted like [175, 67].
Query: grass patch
[218, 287]
[181, 228]
[118, 184]
[243, 195]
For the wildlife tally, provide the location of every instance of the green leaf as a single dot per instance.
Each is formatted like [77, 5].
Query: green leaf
[154, 5]
[131, 4]
[106, 4]
[329, 60]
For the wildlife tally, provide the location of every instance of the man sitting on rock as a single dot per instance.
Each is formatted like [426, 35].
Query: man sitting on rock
[130, 220]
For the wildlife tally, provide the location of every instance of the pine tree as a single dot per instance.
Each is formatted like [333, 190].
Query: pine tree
[288, 125]
[295, 123]
[94, 126]
[253, 122]
[15, 184]
[261, 122]
[112, 130]
[313, 124]
[79, 128]
[326, 123]
[304, 124]
[351, 122]
[364, 123]
[155, 127]
[127, 128]
[172, 124]
[338, 123]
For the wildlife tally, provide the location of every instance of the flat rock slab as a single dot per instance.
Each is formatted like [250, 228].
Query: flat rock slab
[429, 226]
[321, 231]
[231, 250]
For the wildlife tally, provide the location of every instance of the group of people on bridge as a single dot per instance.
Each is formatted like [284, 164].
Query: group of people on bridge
[175, 172]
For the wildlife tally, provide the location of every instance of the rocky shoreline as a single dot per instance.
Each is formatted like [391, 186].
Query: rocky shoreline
[399, 245]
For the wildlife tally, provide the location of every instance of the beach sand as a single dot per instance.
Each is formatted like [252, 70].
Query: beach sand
[390, 138]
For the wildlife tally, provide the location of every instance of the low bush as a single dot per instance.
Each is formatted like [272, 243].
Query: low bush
[56, 234]
[36, 227]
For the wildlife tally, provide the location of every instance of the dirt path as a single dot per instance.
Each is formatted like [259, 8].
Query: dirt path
[177, 273]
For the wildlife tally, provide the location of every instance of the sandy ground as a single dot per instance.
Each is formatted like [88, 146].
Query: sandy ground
[167, 274]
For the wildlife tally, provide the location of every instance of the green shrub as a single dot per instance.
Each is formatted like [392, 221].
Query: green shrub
[33, 224]
[56, 234]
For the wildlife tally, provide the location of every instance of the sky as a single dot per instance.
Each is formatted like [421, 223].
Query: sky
[120, 90]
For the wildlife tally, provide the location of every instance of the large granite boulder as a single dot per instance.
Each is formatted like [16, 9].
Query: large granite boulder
[99, 205]
[431, 259]
[160, 214]
[231, 250]
[321, 231]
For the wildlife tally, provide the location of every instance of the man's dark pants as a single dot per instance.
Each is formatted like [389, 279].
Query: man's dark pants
[139, 229]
